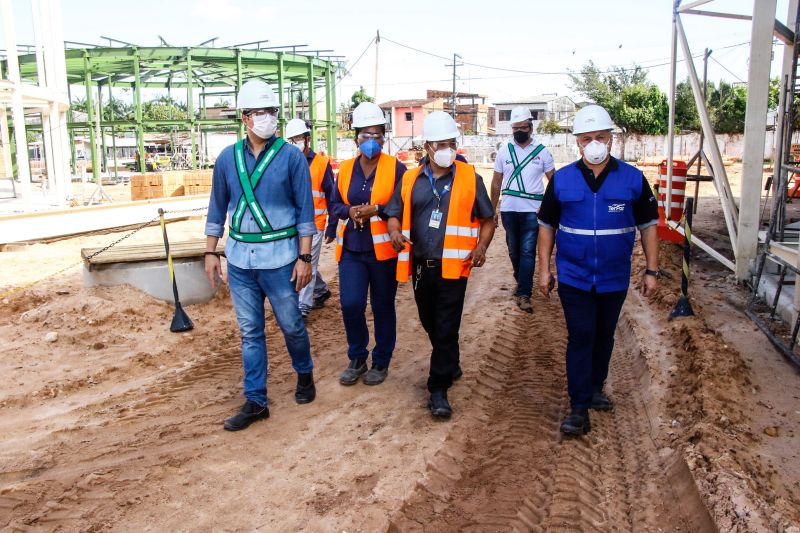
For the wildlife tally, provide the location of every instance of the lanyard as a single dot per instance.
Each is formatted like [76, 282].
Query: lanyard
[436, 192]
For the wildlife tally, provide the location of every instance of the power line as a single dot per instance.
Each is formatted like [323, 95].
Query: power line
[608, 70]
[729, 70]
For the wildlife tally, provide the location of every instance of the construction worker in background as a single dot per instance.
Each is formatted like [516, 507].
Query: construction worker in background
[441, 221]
[519, 170]
[262, 190]
[367, 261]
[313, 295]
[590, 211]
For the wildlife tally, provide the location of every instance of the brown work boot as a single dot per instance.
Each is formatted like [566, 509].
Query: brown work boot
[524, 304]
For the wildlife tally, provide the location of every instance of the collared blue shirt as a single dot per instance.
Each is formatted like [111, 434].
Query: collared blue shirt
[284, 193]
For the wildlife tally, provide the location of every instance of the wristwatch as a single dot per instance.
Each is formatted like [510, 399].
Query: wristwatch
[305, 258]
[654, 273]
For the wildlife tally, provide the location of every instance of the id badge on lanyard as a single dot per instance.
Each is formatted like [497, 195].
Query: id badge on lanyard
[436, 219]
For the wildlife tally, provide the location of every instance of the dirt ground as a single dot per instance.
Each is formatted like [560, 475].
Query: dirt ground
[117, 423]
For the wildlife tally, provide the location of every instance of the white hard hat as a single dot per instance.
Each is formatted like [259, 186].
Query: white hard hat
[439, 126]
[368, 114]
[591, 118]
[295, 127]
[520, 114]
[256, 94]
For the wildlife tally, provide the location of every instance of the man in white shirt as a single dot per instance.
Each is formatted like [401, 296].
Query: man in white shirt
[519, 172]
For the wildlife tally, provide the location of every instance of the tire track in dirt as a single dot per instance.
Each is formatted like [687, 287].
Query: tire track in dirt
[506, 467]
[490, 474]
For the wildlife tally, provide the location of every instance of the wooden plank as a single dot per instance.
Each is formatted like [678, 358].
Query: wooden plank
[147, 252]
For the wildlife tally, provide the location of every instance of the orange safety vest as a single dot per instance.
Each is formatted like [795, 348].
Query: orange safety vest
[461, 232]
[317, 168]
[382, 190]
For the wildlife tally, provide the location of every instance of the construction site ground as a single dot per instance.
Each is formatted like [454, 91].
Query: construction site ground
[109, 421]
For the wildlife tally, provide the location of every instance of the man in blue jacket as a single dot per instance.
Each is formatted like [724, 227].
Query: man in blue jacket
[591, 210]
[262, 190]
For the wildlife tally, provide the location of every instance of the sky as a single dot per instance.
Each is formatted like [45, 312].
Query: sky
[550, 38]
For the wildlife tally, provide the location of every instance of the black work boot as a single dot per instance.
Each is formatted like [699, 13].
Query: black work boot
[353, 371]
[376, 375]
[601, 402]
[319, 301]
[306, 391]
[438, 404]
[577, 423]
[457, 374]
[249, 413]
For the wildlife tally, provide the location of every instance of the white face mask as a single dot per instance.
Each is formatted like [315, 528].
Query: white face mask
[265, 126]
[300, 144]
[595, 152]
[444, 157]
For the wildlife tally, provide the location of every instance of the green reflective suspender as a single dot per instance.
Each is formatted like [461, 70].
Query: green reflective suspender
[248, 198]
[516, 175]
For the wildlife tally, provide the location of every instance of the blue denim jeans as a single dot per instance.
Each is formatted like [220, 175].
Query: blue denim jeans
[248, 290]
[360, 272]
[522, 230]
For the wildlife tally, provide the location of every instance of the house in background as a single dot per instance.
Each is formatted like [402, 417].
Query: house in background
[405, 117]
[473, 115]
[544, 107]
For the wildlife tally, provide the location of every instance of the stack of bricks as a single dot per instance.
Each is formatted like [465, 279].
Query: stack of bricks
[147, 186]
[197, 182]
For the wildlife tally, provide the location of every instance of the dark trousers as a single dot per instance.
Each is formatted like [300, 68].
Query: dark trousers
[591, 321]
[440, 303]
[522, 231]
[360, 273]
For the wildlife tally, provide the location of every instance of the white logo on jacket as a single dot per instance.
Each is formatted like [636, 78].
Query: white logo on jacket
[616, 208]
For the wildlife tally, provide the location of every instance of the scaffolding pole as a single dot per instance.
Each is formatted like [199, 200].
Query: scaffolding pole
[281, 114]
[190, 110]
[87, 83]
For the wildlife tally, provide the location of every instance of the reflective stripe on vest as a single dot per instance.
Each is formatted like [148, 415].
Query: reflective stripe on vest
[461, 231]
[248, 199]
[516, 175]
[592, 232]
[317, 168]
[382, 189]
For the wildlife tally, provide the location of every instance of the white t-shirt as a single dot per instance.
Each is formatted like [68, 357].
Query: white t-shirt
[532, 175]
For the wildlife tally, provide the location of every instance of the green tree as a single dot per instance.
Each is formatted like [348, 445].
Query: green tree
[686, 116]
[548, 127]
[727, 107]
[360, 96]
[643, 109]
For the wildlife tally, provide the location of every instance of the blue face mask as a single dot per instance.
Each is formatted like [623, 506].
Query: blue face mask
[370, 148]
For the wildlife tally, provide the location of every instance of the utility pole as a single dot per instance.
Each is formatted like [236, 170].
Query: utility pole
[455, 64]
[375, 88]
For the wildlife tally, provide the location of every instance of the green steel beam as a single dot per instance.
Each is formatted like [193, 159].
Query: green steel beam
[240, 134]
[137, 110]
[190, 110]
[281, 115]
[312, 106]
[330, 134]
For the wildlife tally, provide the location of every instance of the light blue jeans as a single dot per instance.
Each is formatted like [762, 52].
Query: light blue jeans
[248, 290]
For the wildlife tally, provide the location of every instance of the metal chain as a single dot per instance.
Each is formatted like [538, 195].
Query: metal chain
[205, 208]
[106, 248]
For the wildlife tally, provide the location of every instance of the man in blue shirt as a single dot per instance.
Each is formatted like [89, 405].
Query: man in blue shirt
[262, 190]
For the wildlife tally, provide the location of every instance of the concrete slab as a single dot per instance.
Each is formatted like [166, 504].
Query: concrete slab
[153, 278]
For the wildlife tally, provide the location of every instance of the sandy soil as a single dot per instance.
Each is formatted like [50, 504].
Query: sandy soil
[117, 423]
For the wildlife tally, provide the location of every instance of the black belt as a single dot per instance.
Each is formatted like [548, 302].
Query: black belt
[428, 263]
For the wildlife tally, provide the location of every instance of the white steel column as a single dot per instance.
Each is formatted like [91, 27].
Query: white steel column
[754, 135]
[17, 112]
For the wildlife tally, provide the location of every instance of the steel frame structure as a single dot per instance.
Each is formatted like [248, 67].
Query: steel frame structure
[742, 221]
[202, 72]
